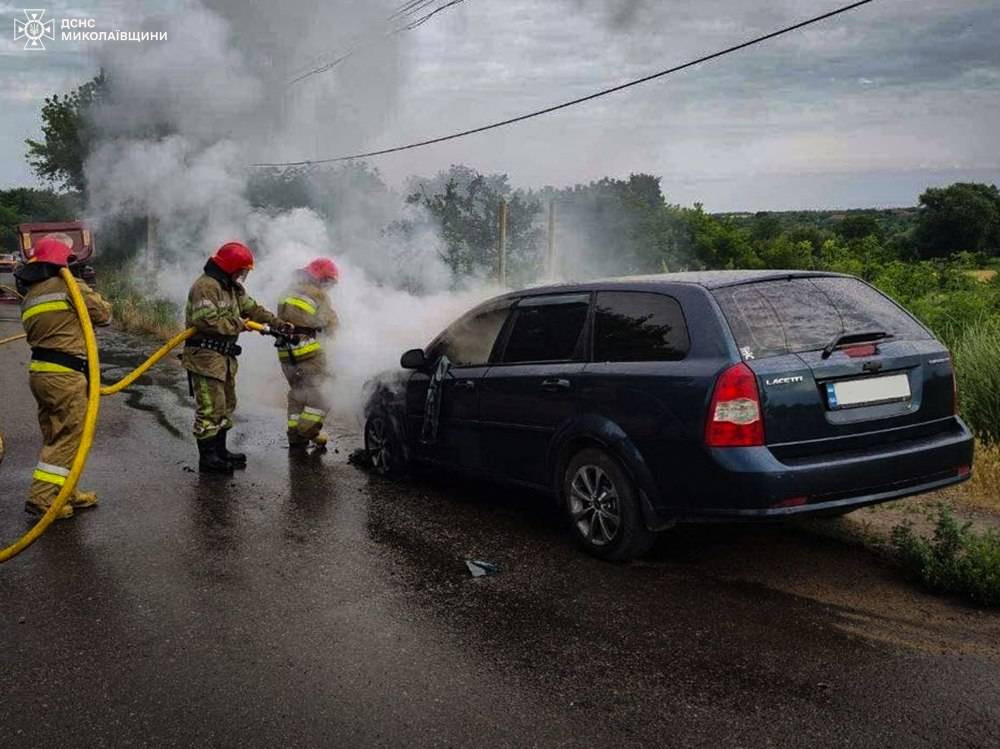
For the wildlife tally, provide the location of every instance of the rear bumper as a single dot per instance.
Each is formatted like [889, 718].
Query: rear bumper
[751, 483]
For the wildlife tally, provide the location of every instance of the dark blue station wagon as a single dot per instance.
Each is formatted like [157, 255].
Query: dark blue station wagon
[719, 395]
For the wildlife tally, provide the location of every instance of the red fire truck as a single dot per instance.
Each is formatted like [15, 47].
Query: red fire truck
[29, 234]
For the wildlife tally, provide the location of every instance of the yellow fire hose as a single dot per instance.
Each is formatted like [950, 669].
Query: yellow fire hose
[139, 371]
[89, 425]
[94, 391]
[165, 349]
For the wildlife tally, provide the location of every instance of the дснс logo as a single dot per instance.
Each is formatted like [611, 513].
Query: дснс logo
[34, 29]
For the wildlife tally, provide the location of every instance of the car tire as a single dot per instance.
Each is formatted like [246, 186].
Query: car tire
[602, 505]
[382, 443]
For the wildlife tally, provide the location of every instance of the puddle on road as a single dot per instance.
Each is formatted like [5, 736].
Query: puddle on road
[865, 596]
[120, 354]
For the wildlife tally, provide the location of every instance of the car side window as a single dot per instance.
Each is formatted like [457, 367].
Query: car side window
[547, 328]
[469, 341]
[632, 326]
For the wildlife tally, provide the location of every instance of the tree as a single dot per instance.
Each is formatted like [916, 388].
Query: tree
[765, 226]
[466, 205]
[719, 243]
[858, 226]
[618, 226]
[963, 217]
[24, 204]
[68, 135]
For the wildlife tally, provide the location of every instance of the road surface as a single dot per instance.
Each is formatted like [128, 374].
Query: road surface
[306, 603]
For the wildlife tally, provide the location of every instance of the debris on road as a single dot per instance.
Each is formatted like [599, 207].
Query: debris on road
[479, 568]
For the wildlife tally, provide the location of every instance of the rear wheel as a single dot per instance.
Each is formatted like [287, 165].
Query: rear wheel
[602, 505]
[385, 451]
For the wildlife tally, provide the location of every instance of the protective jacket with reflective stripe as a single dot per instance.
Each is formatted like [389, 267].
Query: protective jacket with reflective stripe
[217, 306]
[305, 304]
[50, 320]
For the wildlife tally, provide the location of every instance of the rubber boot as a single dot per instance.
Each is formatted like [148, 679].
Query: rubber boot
[37, 510]
[209, 460]
[239, 460]
[82, 499]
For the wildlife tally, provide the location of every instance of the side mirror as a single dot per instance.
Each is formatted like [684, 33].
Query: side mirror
[413, 359]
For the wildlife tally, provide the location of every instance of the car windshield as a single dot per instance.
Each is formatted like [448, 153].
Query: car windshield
[788, 316]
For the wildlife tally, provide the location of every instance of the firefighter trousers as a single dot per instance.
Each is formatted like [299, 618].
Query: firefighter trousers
[214, 401]
[62, 407]
[307, 405]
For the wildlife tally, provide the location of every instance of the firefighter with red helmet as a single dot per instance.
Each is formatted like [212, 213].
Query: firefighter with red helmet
[58, 367]
[217, 305]
[306, 305]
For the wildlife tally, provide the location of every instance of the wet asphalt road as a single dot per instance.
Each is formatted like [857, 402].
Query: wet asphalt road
[304, 603]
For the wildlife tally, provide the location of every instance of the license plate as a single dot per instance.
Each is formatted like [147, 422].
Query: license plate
[868, 391]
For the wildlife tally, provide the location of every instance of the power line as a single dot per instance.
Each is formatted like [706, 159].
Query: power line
[573, 102]
[411, 7]
[404, 14]
[428, 16]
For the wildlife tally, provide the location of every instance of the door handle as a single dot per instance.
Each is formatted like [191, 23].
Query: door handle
[555, 385]
[466, 384]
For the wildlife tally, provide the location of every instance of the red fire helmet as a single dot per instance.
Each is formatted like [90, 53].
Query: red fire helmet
[233, 257]
[323, 269]
[51, 250]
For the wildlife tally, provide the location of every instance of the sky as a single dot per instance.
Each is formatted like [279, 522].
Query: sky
[866, 109]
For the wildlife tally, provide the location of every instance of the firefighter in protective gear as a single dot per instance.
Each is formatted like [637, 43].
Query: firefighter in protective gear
[217, 305]
[57, 370]
[306, 305]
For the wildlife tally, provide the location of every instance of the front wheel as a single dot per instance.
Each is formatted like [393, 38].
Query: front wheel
[385, 451]
[601, 502]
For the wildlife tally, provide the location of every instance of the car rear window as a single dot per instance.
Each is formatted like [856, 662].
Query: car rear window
[771, 318]
[631, 326]
[547, 328]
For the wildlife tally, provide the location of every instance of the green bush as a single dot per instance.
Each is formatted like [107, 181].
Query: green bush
[956, 560]
[134, 309]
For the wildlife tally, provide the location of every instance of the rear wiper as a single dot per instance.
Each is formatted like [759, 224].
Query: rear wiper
[845, 339]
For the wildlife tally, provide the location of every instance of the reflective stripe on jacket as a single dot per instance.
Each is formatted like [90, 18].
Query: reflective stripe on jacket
[45, 303]
[50, 320]
[46, 366]
[302, 302]
[305, 349]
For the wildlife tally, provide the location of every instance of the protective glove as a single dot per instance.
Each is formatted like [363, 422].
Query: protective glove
[285, 328]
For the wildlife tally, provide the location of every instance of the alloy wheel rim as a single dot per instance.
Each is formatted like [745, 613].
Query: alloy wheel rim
[594, 505]
[378, 445]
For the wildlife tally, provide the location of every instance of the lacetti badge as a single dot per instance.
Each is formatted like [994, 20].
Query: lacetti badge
[33, 29]
[784, 380]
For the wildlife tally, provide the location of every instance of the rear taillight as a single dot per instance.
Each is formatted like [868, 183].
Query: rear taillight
[734, 418]
[858, 352]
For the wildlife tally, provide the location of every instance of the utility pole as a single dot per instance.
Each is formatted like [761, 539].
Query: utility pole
[151, 260]
[502, 244]
[550, 258]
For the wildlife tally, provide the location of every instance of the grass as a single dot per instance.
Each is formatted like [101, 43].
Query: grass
[983, 276]
[955, 560]
[982, 491]
[977, 361]
[134, 310]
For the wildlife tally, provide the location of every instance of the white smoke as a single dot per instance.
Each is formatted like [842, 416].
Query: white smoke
[185, 117]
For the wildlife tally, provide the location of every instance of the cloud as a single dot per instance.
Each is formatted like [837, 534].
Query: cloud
[901, 85]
